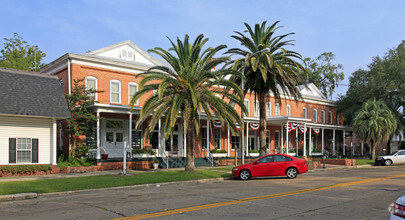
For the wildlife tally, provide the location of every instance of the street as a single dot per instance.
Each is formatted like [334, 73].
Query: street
[363, 193]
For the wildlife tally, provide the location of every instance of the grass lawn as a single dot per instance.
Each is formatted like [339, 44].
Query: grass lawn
[103, 181]
[364, 162]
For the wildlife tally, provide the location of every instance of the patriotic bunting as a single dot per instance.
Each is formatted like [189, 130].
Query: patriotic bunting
[316, 130]
[254, 126]
[217, 124]
[237, 126]
[303, 129]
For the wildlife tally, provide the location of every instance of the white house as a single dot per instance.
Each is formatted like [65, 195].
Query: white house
[31, 103]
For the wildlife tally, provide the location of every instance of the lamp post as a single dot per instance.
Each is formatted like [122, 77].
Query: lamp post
[242, 145]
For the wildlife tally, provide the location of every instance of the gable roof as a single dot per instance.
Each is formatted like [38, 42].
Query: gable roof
[31, 94]
[122, 44]
[311, 90]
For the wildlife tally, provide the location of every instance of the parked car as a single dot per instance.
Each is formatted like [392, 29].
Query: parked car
[397, 209]
[271, 165]
[396, 158]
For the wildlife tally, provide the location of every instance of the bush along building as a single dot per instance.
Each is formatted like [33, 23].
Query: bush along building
[308, 127]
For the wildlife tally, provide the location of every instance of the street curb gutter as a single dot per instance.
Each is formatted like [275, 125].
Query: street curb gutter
[19, 196]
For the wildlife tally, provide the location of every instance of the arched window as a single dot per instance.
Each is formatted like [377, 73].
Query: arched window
[315, 116]
[323, 117]
[330, 117]
[92, 85]
[256, 109]
[277, 109]
[247, 104]
[132, 89]
[268, 109]
[115, 91]
[288, 110]
[304, 112]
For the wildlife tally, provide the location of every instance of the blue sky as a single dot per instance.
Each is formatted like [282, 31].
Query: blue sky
[354, 30]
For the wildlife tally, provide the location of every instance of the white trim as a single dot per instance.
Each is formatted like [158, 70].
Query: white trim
[119, 92]
[247, 106]
[268, 109]
[96, 85]
[304, 110]
[69, 76]
[54, 142]
[129, 94]
[315, 116]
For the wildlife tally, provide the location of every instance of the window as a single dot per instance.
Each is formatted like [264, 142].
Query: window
[136, 137]
[337, 119]
[257, 109]
[288, 110]
[268, 139]
[247, 104]
[233, 104]
[24, 148]
[127, 55]
[235, 142]
[277, 139]
[115, 91]
[277, 109]
[330, 117]
[132, 89]
[323, 117]
[91, 87]
[315, 116]
[304, 112]
[268, 109]
[204, 137]
[267, 159]
[217, 138]
[154, 138]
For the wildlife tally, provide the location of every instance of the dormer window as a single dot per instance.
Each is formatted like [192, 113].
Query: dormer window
[127, 55]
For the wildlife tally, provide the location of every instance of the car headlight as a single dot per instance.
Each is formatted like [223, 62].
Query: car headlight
[235, 169]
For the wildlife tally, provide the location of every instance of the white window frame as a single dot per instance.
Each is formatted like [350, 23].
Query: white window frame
[277, 110]
[27, 143]
[96, 85]
[315, 116]
[126, 57]
[268, 109]
[247, 106]
[330, 117]
[304, 112]
[204, 140]
[219, 137]
[288, 110]
[119, 92]
[129, 94]
[256, 110]
[323, 117]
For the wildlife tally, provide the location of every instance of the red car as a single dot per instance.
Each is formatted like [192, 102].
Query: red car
[271, 165]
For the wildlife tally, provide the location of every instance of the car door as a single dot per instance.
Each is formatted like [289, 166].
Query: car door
[399, 158]
[278, 166]
[261, 167]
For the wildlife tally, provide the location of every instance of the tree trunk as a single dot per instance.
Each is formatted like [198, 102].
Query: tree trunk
[372, 149]
[263, 124]
[190, 146]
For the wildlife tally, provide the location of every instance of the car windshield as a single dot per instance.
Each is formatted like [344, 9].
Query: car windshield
[394, 153]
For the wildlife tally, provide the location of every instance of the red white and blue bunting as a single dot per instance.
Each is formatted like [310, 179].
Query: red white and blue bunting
[217, 124]
[303, 129]
[316, 130]
[237, 126]
[254, 126]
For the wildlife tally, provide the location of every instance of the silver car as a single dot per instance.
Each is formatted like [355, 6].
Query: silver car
[397, 209]
[396, 158]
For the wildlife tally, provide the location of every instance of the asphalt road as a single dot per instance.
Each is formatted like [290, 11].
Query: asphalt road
[362, 193]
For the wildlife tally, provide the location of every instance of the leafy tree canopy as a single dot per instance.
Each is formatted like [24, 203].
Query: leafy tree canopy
[323, 73]
[17, 54]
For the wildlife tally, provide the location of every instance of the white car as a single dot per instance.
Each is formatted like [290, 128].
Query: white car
[397, 209]
[396, 158]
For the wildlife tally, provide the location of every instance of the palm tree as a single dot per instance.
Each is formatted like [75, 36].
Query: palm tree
[374, 123]
[267, 67]
[189, 85]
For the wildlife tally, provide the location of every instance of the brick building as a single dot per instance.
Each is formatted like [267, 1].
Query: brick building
[112, 70]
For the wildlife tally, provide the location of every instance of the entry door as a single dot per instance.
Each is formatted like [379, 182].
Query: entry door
[114, 136]
[252, 143]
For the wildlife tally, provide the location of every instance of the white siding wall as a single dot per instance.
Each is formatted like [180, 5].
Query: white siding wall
[27, 127]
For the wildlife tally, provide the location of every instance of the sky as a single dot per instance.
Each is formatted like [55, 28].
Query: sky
[354, 30]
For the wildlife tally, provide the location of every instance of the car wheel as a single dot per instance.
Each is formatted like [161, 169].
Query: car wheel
[388, 162]
[245, 175]
[291, 172]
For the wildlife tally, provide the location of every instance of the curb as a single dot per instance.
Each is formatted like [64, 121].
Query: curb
[19, 196]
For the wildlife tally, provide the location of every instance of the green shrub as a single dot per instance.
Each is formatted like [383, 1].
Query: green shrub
[254, 151]
[214, 151]
[143, 151]
[316, 151]
[75, 162]
[291, 151]
[22, 169]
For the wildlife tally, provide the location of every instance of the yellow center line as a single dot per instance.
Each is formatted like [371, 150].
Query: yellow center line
[238, 201]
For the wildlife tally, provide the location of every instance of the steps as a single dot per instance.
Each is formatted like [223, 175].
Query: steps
[202, 162]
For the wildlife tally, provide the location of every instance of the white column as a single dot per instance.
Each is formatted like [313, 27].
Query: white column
[310, 141]
[323, 142]
[54, 141]
[247, 139]
[296, 141]
[130, 132]
[287, 140]
[333, 142]
[98, 136]
[184, 141]
[344, 143]
[282, 138]
[208, 137]
[159, 139]
[229, 149]
[305, 139]
[362, 148]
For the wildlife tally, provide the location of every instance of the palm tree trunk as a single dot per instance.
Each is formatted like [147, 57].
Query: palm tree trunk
[372, 149]
[263, 124]
[190, 147]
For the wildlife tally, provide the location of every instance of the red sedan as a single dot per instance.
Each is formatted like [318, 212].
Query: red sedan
[271, 165]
